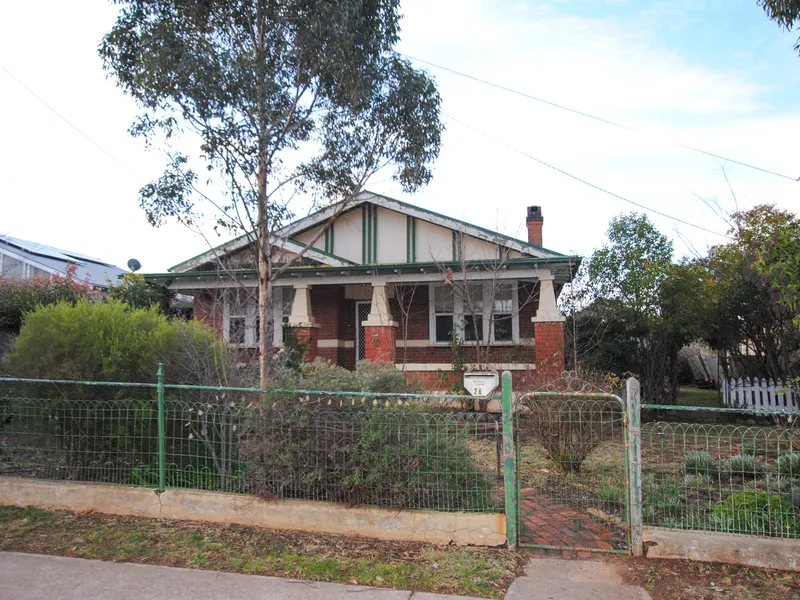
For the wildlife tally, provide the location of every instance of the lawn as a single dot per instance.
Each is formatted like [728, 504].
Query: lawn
[483, 572]
[693, 396]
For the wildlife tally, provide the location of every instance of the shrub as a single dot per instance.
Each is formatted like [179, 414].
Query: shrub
[701, 463]
[18, 297]
[104, 432]
[570, 427]
[743, 466]
[109, 341]
[395, 457]
[788, 464]
[368, 377]
[758, 513]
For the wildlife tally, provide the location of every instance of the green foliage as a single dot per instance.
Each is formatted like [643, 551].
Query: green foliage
[109, 341]
[788, 464]
[666, 496]
[371, 454]
[634, 263]
[610, 494]
[745, 277]
[784, 12]
[743, 466]
[20, 296]
[758, 513]
[280, 96]
[137, 292]
[701, 463]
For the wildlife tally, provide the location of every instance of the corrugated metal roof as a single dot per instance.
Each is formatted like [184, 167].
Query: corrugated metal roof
[90, 269]
[49, 251]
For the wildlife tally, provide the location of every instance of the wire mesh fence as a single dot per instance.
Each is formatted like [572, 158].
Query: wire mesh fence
[723, 477]
[571, 470]
[389, 450]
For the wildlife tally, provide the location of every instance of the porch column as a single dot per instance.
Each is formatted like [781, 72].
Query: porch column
[302, 322]
[548, 331]
[379, 329]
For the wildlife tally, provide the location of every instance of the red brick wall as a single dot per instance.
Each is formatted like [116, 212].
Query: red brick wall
[208, 308]
[549, 347]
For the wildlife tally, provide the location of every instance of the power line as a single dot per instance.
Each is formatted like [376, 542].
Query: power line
[600, 119]
[583, 181]
[68, 122]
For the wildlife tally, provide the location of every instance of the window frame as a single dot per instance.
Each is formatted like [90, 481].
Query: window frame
[487, 314]
[432, 314]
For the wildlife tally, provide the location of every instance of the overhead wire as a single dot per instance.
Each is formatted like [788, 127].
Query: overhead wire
[68, 122]
[599, 119]
[580, 180]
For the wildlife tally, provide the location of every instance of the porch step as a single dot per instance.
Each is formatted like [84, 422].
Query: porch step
[555, 579]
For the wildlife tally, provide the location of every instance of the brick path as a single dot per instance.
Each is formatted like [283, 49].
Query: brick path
[552, 524]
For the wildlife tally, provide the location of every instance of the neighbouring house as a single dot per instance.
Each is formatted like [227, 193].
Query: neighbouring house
[22, 259]
[390, 281]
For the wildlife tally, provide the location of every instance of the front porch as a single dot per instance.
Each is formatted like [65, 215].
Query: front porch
[408, 317]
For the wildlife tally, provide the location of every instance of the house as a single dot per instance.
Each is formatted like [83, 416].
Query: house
[22, 259]
[391, 281]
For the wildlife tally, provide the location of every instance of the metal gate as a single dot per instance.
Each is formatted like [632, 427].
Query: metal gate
[572, 471]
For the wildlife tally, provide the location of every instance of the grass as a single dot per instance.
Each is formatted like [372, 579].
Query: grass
[692, 396]
[484, 572]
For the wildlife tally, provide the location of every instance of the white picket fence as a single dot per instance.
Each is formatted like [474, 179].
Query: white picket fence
[758, 394]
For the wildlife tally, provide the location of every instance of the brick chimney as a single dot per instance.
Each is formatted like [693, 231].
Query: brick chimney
[534, 221]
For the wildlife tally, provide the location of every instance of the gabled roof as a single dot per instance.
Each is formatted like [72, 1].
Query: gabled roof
[283, 235]
[320, 256]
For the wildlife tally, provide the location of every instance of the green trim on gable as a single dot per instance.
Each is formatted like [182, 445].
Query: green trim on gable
[364, 234]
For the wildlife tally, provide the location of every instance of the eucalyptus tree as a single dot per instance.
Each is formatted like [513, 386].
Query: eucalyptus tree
[275, 96]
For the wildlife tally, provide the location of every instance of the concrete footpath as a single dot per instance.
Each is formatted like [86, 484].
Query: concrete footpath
[33, 576]
[556, 579]
[37, 577]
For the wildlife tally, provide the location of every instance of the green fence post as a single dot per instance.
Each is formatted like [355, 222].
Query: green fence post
[633, 401]
[162, 433]
[509, 457]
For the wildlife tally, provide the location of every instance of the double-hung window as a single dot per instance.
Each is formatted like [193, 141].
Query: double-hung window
[286, 299]
[241, 309]
[503, 314]
[442, 313]
[473, 312]
[479, 311]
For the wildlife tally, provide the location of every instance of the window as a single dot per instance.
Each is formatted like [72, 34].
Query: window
[286, 299]
[503, 317]
[443, 313]
[485, 311]
[473, 313]
[241, 308]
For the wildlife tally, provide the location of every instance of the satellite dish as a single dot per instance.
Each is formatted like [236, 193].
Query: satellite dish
[134, 265]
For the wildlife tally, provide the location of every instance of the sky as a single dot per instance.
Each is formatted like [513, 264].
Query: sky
[716, 75]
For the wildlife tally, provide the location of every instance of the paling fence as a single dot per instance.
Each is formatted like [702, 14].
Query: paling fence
[759, 394]
[385, 450]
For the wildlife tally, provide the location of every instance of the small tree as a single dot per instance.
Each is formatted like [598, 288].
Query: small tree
[282, 96]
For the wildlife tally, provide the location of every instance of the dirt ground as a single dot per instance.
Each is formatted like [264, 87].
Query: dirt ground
[688, 580]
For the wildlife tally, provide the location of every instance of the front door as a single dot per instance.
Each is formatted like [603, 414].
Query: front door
[362, 312]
